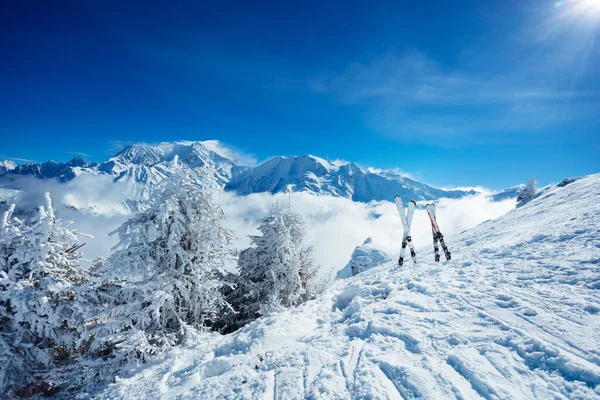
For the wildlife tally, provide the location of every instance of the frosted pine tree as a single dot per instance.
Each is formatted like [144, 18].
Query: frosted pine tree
[277, 271]
[40, 317]
[527, 193]
[165, 277]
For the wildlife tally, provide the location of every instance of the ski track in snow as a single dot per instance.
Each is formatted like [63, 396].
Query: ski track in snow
[515, 314]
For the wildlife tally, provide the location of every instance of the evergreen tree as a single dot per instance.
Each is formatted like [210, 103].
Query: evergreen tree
[277, 271]
[527, 193]
[40, 317]
[166, 276]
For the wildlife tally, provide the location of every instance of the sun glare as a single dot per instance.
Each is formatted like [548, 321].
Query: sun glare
[584, 8]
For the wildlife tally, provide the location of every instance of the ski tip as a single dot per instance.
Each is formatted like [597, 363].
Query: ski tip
[397, 196]
[414, 202]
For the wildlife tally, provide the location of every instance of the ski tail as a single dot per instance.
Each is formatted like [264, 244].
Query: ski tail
[402, 251]
[409, 217]
[400, 207]
[437, 234]
[436, 249]
[444, 247]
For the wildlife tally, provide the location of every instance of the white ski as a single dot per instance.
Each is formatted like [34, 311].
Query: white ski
[406, 219]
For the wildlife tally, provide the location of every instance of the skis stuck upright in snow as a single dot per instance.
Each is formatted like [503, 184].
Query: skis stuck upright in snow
[406, 219]
[437, 235]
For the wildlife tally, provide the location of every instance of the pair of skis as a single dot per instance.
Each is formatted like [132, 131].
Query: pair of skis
[437, 235]
[406, 218]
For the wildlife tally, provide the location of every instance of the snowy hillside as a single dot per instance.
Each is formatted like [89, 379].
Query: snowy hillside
[515, 314]
[319, 176]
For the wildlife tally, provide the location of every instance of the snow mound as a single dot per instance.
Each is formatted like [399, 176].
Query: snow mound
[513, 315]
[363, 258]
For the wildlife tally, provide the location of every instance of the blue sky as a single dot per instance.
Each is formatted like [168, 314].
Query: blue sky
[456, 93]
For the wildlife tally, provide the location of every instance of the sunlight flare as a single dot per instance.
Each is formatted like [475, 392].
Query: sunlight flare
[584, 8]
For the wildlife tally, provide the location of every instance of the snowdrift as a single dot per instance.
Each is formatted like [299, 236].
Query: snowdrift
[515, 314]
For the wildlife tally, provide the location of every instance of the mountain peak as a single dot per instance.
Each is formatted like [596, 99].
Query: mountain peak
[7, 165]
[308, 173]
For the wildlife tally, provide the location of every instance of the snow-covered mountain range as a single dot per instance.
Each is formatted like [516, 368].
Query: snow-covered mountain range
[319, 176]
[514, 315]
[63, 171]
[140, 167]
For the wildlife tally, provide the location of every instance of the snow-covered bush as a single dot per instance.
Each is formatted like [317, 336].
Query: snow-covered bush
[165, 278]
[40, 315]
[277, 271]
[527, 193]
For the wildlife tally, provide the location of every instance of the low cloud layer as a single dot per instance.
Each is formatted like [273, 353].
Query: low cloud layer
[335, 225]
[95, 205]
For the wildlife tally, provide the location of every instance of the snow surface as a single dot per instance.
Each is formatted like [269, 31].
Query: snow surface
[364, 257]
[515, 314]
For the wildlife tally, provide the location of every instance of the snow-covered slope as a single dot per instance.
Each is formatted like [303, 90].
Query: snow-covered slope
[515, 314]
[319, 176]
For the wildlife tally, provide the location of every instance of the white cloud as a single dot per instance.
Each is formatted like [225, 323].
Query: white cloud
[76, 153]
[93, 203]
[411, 96]
[479, 189]
[230, 152]
[335, 225]
[217, 146]
[114, 146]
[17, 159]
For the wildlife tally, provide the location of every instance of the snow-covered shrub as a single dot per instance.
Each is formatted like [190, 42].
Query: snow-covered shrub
[277, 271]
[165, 278]
[527, 193]
[40, 315]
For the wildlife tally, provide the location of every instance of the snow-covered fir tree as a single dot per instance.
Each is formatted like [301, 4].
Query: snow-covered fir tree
[278, 270]
[165, 278]
[40, 317]
[527, 193]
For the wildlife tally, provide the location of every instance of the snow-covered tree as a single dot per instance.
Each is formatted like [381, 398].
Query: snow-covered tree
[165, 277]
[277, 271]
[40, 317]
[527, 193]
